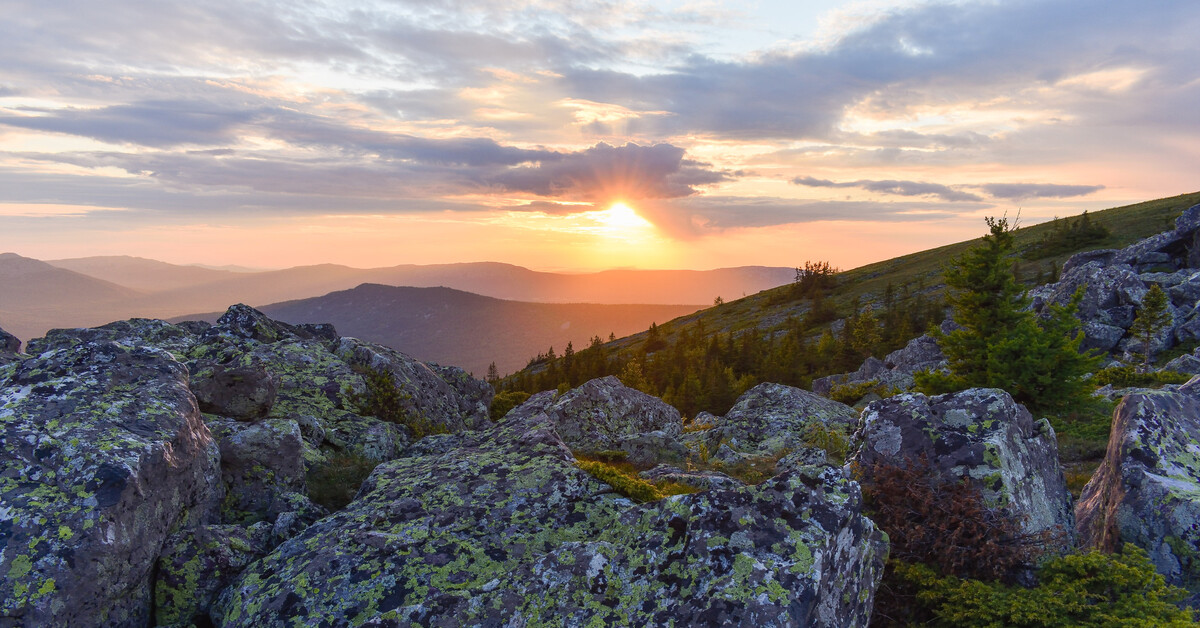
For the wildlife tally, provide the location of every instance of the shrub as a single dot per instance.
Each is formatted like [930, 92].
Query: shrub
[334, 484]
[1091, 589]
[630, 486]
[831, 440]
[1067, 235]
[383, 400]
[1129, 377]
[505, 401]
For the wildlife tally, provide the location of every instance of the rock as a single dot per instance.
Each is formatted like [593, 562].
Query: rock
[1147, 490]
[1187, 292]
[703, 480]
[981, 434]
[1101, 336]
[242, 322]
[1098, 258]
[604, 414]
[103, 453]
[651, 448]
[505, 530]
[195, 565]
[473, 391]
[366, 436]
[260, 463]
[135, 332]
[1186, 363]
[239, 392]
[10, 346]
[770, 418]
[895, 371]
[429, 394]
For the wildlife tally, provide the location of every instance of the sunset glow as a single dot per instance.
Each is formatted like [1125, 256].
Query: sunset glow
[678, 134]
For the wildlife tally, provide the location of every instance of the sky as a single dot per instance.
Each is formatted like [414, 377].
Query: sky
[580, 135]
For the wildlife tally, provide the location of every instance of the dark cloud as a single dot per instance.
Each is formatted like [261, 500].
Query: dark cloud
[1021, 191]
[898, 188]
[156, 124]
[606, 172]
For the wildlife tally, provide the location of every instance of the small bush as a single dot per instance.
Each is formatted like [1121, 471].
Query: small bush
[1091, 589]
[752, 470]
[505, 401]
[1129, 377]
[334, 484]
[386, 402]
[831, 440]
[630, 486]
[849, 394]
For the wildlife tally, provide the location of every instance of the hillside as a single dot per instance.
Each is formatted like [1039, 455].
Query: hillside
[712, 356]
[98, 290]
[453, 327]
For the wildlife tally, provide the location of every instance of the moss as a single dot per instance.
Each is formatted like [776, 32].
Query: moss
[632, 487]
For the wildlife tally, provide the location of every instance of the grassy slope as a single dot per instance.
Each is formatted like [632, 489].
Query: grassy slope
[920, 272]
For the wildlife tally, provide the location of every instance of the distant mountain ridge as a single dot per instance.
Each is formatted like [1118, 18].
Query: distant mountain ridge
[459, 328]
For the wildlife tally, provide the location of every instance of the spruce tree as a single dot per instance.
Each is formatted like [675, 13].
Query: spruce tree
[1152, 318]
[1004, 345]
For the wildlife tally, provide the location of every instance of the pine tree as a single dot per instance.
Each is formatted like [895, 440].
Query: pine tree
[1152, 318]
[1001, 343]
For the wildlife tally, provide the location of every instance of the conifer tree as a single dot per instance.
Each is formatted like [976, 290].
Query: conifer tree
[1151, 319]
[1001, 343]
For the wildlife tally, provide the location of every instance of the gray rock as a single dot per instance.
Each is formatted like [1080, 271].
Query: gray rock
[981, 434]
[604, 414]
[1147, 490]
[103, 453]
[1098, 258]
[195, 565]
[260, 463]
[240, 392]
[1100, 336]
[1186, 363]
[242, 322]
[651, 448]
[10, 346]
[703, 480]
[1187, 292]
[506, 530]
[135, 332]
[771, 418]
[895, 371]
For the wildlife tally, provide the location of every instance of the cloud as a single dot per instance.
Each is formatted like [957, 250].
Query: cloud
[605, 172]
[1021, 191]
[898, 188]
[156, 123]
[717, 213]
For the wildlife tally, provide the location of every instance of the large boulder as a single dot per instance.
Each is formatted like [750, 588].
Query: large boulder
[10, 345]
[135, 332]
[771, 418]
[500, 527]
[241, 392]
[196, 564]
[1147, 490]
[103, 453]
[260, 464]
[605, 414]
[895, 371]
[980, 434]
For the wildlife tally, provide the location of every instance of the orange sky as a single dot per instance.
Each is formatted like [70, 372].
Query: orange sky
[374, 134]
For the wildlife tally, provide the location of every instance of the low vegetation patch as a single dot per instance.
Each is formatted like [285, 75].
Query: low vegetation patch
[851, 394]
[335, 483]
[505, 401]
[383, 400]
[1068, 235]
[1090, 589]
[623, 478]
[1131, 377]
[831, 440]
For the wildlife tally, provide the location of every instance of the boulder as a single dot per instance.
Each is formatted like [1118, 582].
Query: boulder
[980, 434]
[260, 463]
[103, 454]
[500, 527]
[1098, 258]
[242, 322]
[703, 480]
[604, 414]
[195, 565]
[1147, 490]
[771, 418]
[9, 345]
[135, 332]
[895, 371]
[240, 392]
[1186, 363]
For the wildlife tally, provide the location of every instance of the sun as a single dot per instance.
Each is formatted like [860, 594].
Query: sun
[620, 217]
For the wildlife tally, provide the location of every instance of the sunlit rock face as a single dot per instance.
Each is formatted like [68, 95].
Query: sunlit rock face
[103, 453]
[980, 434]
[500, 527]
[1147, 490]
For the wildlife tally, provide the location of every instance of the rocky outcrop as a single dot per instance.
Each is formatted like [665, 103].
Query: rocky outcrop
[980, 434]
[500, 527]
[9, 346]
[240, 392]
[103, 454]
[604, 414]
[135, 332]
[894, 372]
[772, 418]
[1147, 490]
[260, 464]
[198, 563]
